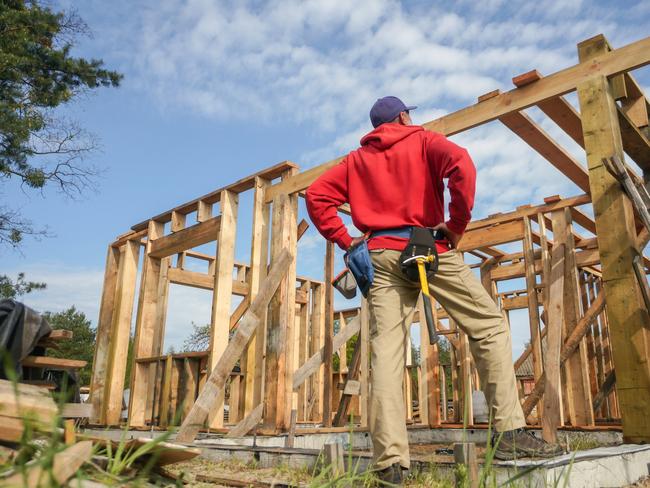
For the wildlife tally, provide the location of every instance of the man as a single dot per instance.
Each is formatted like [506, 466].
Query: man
[393, 182]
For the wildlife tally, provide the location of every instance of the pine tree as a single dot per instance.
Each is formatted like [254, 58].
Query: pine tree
[38, 74]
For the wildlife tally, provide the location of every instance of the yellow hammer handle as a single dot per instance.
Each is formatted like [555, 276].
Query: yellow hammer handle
[423, 277]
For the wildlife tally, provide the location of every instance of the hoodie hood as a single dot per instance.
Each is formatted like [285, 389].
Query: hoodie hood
[386, 135]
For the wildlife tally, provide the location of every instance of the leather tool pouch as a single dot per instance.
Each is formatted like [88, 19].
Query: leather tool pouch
[421, 243]
[360, 265]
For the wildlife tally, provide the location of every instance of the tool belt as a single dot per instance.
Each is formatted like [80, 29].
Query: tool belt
[421, 242]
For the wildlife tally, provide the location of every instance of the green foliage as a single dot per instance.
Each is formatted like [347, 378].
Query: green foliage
[37, 75]
[13, 289]
[82, 345]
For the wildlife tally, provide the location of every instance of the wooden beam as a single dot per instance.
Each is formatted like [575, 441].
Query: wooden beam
[222, 294]
[239, 186]
[280, 326]
[317, 321]
[533, 304]
[145, 329]
[254, 371]
[204, 281]
[103, 336]
[120, 332]
[312, 364]
[302, 228]
[577, 378]
[522, 125]
[328, 348]
[529, 211]
[604, 390]
[247, 424]
[552, 418]
[209, 396]
[626, 312]
[635, 142]
[570, 345]
[489, 236]
[610, 64]
[364, 367]
[185, 239]
[48, 362]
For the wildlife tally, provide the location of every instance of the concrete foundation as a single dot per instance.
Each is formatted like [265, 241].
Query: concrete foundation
[612, 466]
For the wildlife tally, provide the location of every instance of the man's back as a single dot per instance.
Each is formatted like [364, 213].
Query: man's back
[395, 179]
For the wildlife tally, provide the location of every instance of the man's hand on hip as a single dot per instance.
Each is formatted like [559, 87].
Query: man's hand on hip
[452, 237]
[356, 241]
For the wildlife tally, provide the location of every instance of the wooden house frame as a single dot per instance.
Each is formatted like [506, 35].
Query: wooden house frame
[576, 342]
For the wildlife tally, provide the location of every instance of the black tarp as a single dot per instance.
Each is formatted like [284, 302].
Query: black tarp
[20, 330]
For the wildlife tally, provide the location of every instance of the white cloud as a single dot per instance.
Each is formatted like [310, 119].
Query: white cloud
[66, 286]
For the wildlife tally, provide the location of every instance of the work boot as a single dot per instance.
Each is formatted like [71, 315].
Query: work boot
[520, 443]
[393, 475]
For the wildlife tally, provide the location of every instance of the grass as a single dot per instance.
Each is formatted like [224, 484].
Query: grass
[39, 444]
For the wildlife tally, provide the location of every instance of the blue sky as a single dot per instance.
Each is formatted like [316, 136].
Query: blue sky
[214, 91]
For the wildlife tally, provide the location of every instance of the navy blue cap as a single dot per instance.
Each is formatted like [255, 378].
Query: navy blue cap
[386, 109]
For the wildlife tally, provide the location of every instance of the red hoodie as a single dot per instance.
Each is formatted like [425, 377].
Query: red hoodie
[394, 179]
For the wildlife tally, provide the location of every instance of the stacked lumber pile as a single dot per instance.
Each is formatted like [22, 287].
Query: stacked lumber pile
[35, 450]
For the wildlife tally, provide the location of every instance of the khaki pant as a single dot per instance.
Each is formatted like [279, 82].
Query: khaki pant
[392, 300]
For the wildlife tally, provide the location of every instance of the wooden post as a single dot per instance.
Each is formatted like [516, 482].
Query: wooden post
[120, 331]
[466, 380]
[533, 304]
[303, 347]
[145, 326]
[166, 392]
[576, 374]
[280, 326]
[364, 367]
[158, 332]
[259, 262]
[465, 456]
[103, 337]
[329, 333]
[551, 418]
[443, 394]
[222, 294]
[333, 454]
[627, 315]
[317, 336]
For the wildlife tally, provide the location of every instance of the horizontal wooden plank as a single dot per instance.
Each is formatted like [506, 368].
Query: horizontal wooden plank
[59, 335]
[491, 236]
[587, 257]
[76, 410]
[52, 363]
[529, 211]
[185, 239]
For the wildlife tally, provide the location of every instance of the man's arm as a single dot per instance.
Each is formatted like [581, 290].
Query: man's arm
[323, 197]
[449, 160]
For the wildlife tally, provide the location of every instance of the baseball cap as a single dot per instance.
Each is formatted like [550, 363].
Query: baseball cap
[386, 109]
